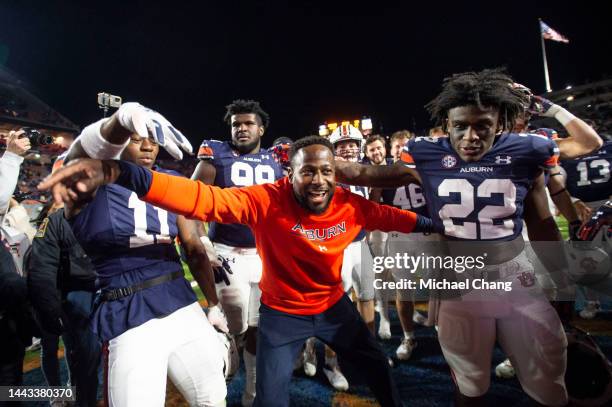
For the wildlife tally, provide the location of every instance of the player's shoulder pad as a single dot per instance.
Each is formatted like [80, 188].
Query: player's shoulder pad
[422, 145]
[544, 149]
[550, 134]
[209, 148]
[429, 139]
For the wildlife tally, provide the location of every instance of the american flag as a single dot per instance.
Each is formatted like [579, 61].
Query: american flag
[550, 34]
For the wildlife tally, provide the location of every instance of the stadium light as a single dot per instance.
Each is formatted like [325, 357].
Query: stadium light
[568, 87]
[323, 130]
[569, 98]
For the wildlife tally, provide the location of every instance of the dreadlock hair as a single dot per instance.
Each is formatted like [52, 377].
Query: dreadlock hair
[240, 106]
[484, 89]
[309, 141]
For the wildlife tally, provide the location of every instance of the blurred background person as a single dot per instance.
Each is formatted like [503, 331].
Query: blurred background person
[61, 283]
[10, 162]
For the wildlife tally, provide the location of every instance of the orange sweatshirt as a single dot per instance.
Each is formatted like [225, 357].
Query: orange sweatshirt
[301, 251]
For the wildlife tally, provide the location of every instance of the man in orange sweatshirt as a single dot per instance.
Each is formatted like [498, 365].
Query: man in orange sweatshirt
[302, 224]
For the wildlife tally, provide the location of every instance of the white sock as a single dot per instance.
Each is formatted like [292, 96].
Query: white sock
[384, 309]
[331, 362]
[409, 335]
[250, 368]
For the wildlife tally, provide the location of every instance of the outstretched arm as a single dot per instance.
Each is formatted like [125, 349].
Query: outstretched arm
[182, 196]
[380, 176]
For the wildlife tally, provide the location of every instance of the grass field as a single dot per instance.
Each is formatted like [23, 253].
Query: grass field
[562, 224]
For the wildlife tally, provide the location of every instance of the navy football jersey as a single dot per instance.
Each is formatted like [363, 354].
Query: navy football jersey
[130, 241]
[480, 200]
[588, 177]
[409, 197]
[235, 170]
[361, 191]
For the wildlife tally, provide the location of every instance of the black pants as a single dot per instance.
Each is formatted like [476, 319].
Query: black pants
[11, 374]
[280, 338]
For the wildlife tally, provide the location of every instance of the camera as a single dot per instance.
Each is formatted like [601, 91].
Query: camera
[106, 100]
[36, 137]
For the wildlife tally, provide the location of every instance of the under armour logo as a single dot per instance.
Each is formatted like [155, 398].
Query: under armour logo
[527, 279]
[503, 160]
[323, 248]
[265, 157]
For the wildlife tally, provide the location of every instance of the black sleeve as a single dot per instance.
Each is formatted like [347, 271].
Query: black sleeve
[42, 274]
[13, 290]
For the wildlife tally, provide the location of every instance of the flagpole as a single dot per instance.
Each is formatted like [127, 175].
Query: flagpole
[546, 77]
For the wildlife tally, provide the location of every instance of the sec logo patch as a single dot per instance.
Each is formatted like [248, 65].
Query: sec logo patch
[449, 161]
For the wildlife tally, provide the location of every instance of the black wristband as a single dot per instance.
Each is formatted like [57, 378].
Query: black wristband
[558, 192]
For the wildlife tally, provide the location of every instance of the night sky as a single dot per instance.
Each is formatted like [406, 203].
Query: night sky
[307, 63]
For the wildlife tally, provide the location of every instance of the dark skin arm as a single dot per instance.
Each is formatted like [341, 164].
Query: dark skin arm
[562, 199]
[198, 261]
[375, 194]
[543, 231]
[541, 225]
[582, 140]
[205, 172]
[379, 176]
[111, 130]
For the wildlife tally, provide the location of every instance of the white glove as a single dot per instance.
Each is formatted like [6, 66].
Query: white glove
[144, 121]
[217, 319]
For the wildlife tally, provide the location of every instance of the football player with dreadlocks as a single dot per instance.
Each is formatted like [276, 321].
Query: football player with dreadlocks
[480, 183]
[239, 162]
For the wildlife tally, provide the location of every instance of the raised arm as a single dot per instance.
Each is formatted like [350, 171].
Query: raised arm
[582, 138]
[380, 176]
[106, 138]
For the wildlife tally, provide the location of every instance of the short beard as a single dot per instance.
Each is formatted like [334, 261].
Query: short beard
[246, 148]
[303, 202]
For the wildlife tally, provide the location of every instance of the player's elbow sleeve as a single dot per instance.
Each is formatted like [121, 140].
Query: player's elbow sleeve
[134, 178]
[425, 225]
